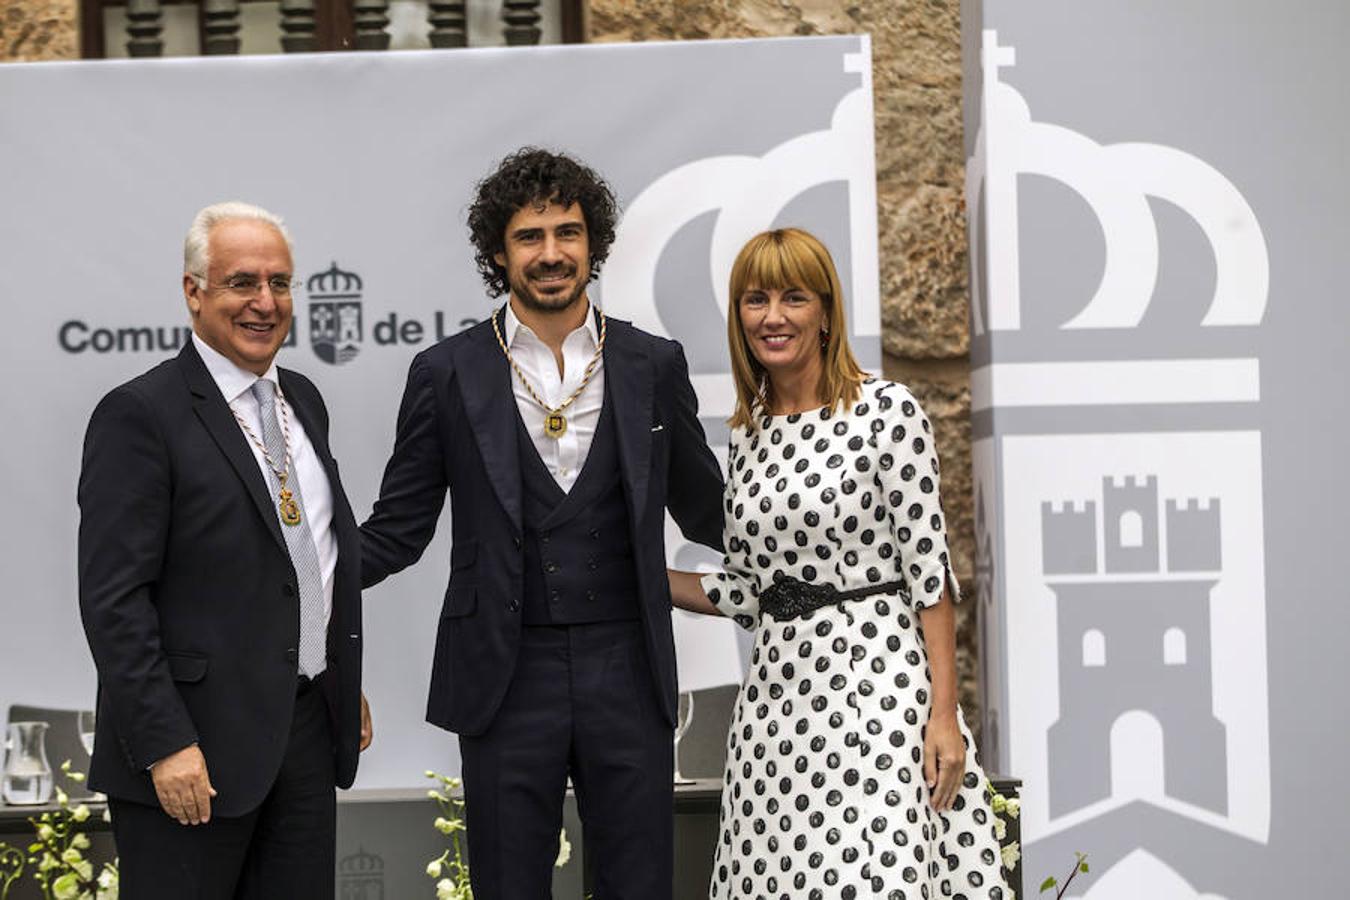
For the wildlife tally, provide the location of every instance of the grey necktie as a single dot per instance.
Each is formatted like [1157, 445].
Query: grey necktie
[299, 540]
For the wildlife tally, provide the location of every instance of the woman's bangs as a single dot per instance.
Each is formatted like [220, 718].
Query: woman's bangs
[781, 265]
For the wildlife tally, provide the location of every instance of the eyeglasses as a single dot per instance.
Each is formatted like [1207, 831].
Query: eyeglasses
[251, 285]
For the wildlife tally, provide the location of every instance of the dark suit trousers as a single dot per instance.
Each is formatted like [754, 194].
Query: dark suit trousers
[581, 702]
[283, 850]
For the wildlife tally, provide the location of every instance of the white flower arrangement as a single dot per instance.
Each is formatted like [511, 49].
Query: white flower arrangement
[57, 854]
[1004, 808]
[450, 870]
[1010, 852]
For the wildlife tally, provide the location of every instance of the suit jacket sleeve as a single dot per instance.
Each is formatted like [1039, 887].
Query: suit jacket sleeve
[125, 492]
[412, 493]
[694, 496]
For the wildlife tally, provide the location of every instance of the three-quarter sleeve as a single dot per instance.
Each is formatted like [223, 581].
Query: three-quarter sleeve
[907, 466]
[735, 589]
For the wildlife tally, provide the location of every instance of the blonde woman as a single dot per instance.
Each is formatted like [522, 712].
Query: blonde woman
[849, 769]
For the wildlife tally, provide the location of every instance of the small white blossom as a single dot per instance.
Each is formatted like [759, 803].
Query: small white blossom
[1010, 854]
[107, 881]
[564, 850]
[445, 889]
[1000, 829]
[434, 868]
[1014, 807]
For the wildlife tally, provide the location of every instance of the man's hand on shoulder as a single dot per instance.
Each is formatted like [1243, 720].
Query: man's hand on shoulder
[183, 786]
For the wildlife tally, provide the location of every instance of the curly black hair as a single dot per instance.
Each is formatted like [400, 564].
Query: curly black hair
[532, 176]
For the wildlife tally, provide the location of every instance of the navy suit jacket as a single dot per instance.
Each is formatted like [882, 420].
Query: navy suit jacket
[458, 431]
[189, 599]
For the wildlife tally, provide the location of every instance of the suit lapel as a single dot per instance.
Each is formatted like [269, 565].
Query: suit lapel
[630, 382]
[215, 415]
[484, 379]
[309, 420]
[344, 525]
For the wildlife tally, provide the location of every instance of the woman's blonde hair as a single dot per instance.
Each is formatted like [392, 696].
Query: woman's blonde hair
[777, 260]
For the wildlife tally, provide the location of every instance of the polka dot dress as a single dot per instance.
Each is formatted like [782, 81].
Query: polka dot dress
[824, 796]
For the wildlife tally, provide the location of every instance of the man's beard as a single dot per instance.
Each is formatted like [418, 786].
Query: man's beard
[553, 303]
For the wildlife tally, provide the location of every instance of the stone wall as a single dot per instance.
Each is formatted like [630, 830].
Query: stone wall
[916, 77]
[32, 30]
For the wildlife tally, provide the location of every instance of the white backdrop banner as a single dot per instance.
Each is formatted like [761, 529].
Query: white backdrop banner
[372, 158]
[1157, 197]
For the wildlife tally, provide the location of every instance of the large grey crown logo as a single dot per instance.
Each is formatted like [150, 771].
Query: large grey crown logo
[335, 314]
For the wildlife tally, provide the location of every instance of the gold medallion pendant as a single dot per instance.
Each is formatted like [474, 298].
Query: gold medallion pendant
[287, 506]
[555, 423]
[290, 510]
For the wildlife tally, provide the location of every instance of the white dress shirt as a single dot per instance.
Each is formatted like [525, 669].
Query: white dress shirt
[564, 456]
[236, 385]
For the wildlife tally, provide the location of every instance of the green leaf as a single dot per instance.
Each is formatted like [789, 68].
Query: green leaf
[1047, 884]
[1082, 867]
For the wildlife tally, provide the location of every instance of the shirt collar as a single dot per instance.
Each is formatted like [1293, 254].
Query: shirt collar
[514, 326]
[232, 380]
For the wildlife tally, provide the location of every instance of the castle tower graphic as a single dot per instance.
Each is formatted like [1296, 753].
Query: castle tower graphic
[335, 314]
[1134, 635]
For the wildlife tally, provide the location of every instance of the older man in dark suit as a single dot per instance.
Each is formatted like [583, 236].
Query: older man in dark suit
[562, 437]
[220, 591]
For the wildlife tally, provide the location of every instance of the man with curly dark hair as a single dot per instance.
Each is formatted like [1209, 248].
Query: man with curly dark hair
[536, 178]
[562, 437]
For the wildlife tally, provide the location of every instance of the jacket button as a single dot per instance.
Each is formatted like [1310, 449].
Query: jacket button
[292, 654]
[512, 606]
[590, 595]
[592, 564]
[595, 534]
[288, 589]
[550, 567]
[516, 541]
[554, 594]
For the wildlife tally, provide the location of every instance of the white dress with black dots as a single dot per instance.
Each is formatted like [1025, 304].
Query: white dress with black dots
[824, 794]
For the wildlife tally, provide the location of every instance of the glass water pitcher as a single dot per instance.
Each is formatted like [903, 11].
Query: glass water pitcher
[28, 775]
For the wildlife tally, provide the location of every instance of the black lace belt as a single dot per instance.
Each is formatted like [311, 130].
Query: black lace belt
[791, 599]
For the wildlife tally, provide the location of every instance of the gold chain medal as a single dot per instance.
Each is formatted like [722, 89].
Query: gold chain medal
[555, 423]
[286, 505]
